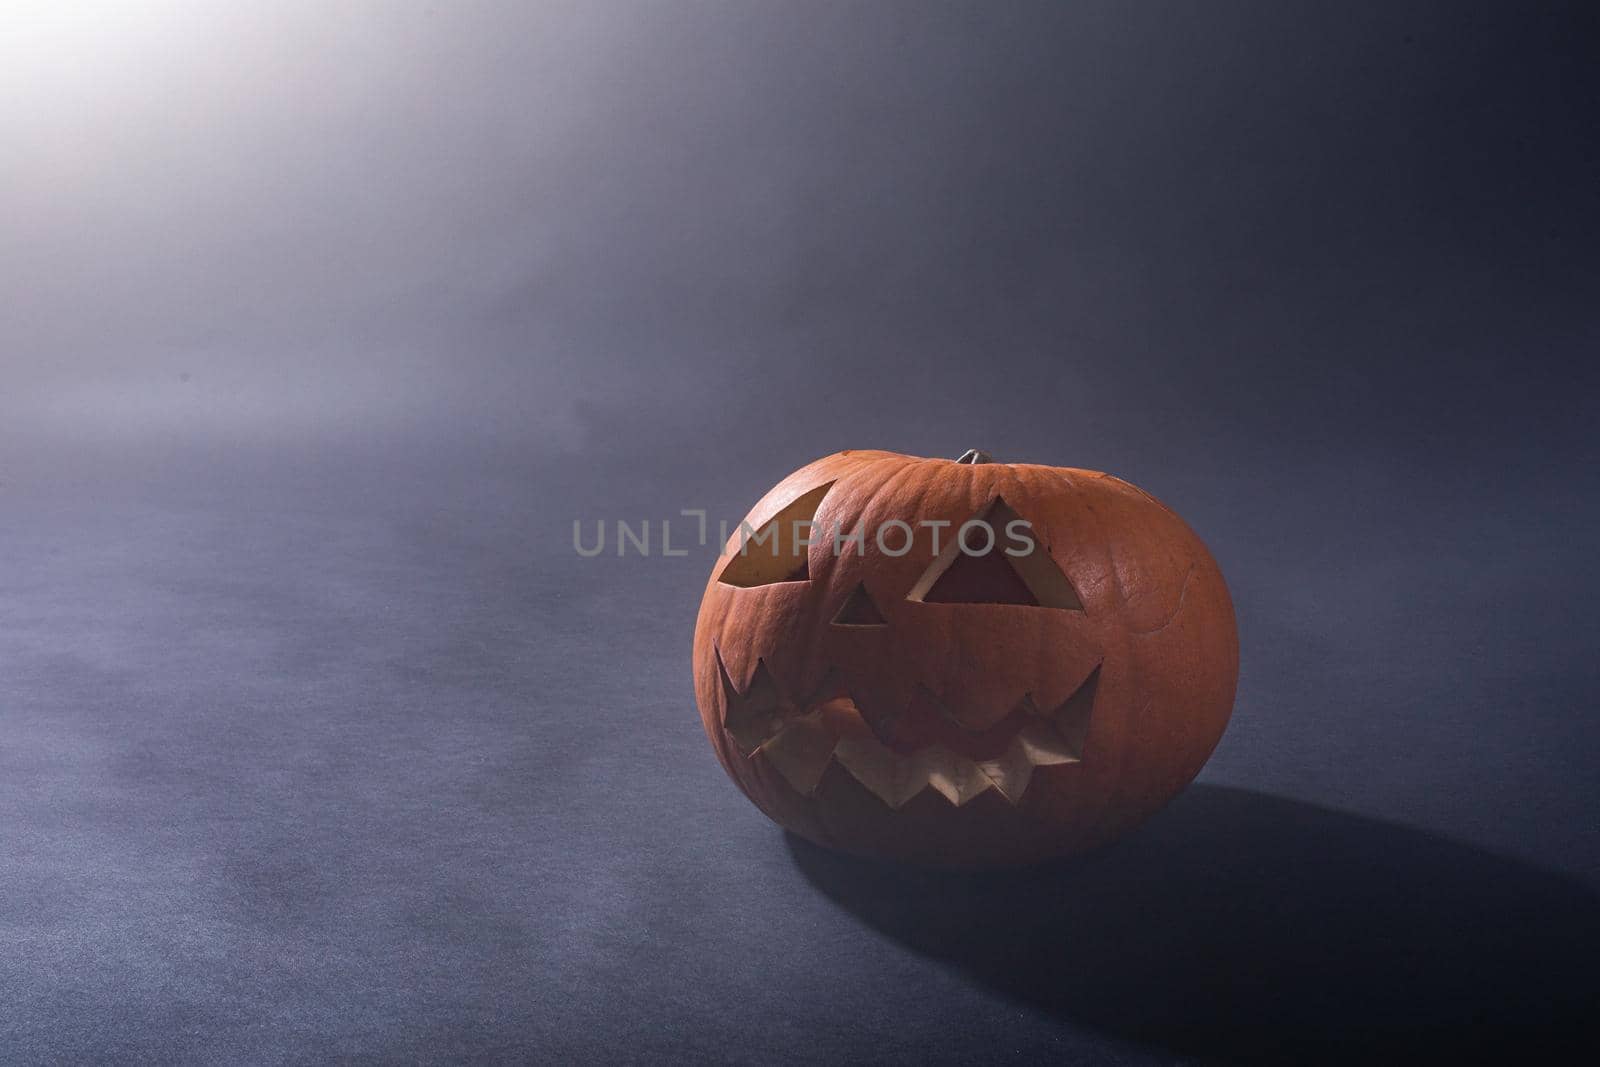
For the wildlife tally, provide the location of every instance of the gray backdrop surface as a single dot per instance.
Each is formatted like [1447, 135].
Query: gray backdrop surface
[320, 324]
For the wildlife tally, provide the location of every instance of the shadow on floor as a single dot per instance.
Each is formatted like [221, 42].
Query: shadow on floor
[1245, 926]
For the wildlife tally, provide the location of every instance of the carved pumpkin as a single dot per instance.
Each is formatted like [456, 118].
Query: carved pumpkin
[975, 704]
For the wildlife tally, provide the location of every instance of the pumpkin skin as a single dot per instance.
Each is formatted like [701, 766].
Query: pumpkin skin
[959, 709]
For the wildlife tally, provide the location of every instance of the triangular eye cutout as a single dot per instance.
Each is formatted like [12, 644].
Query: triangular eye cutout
[774, 553]
[986, 579]
[859, 610]
[971, 574]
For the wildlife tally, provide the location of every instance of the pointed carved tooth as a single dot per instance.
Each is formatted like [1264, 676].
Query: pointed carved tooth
[891, 779]
[762, 696]
[751, 732]
[1072, 717]
[895, 779]
[756, 714]
[1042, 746]
[1037, 745]
[1010, 773]
[801, 749]
[737, 717]
[957, 777]
[801, 753]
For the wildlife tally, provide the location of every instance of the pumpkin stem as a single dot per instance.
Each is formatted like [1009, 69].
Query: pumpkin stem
[973, 455]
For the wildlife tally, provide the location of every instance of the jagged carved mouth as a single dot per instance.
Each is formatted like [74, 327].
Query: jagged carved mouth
[802, 744]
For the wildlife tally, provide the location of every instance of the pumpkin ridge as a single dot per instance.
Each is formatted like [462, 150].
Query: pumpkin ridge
[1183, 593]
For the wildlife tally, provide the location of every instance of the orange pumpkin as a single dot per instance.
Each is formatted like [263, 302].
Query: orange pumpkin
[1057, 667]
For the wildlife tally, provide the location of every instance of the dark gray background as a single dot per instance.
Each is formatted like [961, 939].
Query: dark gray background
[320, 324]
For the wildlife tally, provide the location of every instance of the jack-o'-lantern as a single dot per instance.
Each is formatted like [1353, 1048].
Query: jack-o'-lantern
[962, 662]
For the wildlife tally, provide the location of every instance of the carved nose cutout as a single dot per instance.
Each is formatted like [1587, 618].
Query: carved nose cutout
[776, 552]
[859, 611]
[994, 576]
